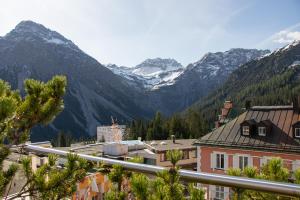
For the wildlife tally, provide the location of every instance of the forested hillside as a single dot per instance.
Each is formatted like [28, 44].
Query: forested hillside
[189, 125]
[271, 80]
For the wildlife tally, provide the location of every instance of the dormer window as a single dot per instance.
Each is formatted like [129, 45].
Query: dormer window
[246, 130]
[297, 132]
[248, 127]
[264, 127]
[262, 131]
[296, 129]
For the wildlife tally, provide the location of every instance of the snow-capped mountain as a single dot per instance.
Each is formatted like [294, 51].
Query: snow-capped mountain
[30, 31]
[223, 63]
[93, 94]
[153, 67]
[200, 78]
[150, 74]
[157, 73]
[273, 79]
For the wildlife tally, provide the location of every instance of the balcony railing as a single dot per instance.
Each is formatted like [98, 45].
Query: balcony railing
[200, 177]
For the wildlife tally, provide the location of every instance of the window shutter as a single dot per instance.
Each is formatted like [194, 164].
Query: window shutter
[213, 160]
[226, 192]
[296, 165]
[250, 161]
[263, 161]
[212, 191]
[235, 160]
[225, 161]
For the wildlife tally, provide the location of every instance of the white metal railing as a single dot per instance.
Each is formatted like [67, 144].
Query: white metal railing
[208, 178]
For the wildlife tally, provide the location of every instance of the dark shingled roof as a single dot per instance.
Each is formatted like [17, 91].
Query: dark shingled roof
[280, 138]
[251, 121]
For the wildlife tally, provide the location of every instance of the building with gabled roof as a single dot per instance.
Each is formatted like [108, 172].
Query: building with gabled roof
[251, 139]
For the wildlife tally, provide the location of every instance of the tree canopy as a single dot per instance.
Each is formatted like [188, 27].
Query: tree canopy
[40, 105]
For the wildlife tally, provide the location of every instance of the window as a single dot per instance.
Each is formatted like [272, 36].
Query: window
[149, 161]
[220, 193]
[246, 130]
[243, 162]
[220, 161]
[185, 154]
[265, 160]
[297, 132]
[262, 131]
[162, 157]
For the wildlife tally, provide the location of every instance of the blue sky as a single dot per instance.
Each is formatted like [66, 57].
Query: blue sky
[126, 32]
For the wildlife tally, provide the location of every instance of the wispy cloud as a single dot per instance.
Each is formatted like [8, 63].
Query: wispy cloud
[219, 28]
[284, 36]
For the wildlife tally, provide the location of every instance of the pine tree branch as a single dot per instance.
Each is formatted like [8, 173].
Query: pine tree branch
[20, 195]
[8, 190]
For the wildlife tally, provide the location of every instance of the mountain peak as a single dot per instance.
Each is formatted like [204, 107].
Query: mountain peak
[30, 26]
[220, 63]
[160, 62]
[293, 44]
[156, 66]
[33, 32]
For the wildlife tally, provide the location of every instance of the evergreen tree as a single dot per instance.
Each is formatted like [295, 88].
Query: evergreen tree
[274, 170]
[64, 139]
[196, 193]
[50, 182]
[166, 185]
[18, 115]
[157, 126]
[140, 186]
[118, 176]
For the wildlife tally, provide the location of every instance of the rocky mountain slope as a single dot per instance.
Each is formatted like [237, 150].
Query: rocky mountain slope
[150, 74]
[202, 77]
[93, 94]
[274, 79]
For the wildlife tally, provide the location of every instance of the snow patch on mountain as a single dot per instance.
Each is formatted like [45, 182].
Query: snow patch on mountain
[33, 32]
[156, 73]
[294, 64]
[157, 66]
[287, 47]
[55, 41]
[222, 63]
[151, 74]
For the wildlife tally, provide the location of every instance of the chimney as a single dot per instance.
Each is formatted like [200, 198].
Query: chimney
[228, 105]
[173, 138]
[224, 112]
[217, 124]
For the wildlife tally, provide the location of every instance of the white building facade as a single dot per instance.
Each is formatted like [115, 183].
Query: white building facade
[113, 133]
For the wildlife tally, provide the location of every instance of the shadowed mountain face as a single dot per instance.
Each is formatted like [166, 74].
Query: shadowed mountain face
[94, 93]
[273, 79]
[202, 77]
